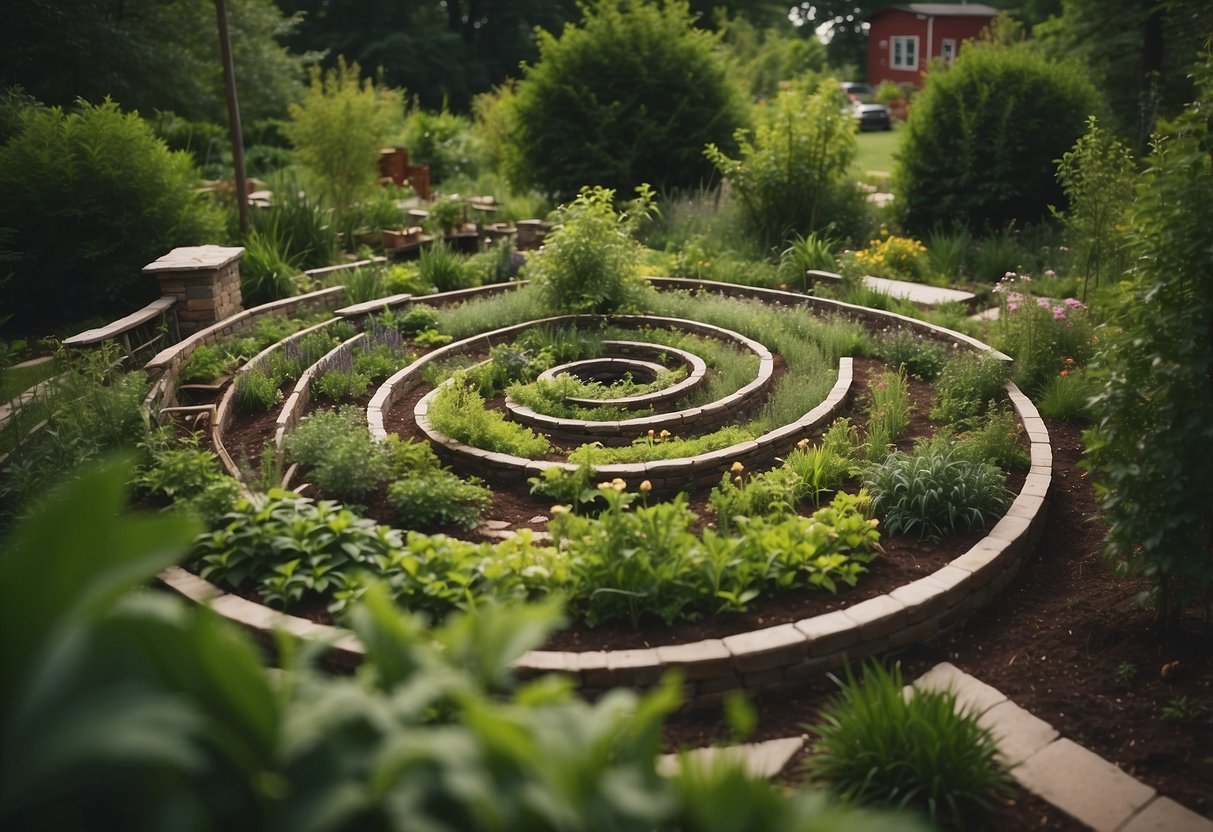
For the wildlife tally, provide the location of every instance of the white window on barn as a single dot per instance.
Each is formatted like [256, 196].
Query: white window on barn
[904, 52]
[947, 50]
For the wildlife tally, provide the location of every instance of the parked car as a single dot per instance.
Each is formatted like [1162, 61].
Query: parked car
[867, 113]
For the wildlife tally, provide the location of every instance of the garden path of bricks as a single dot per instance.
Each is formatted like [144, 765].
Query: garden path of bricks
[1081, 784]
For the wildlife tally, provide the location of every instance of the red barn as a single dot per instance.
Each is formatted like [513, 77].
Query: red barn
[903, 39]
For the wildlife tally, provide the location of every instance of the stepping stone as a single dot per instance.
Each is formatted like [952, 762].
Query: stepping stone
[917, 293]
[1083, 785]
[1018, 734]
[1165, 815]
[495, 525]
[763, 759]
[971, 694]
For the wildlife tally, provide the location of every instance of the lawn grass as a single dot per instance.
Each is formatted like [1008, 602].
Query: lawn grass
[876, 148]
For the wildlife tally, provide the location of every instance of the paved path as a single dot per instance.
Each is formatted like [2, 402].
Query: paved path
[1080, 783]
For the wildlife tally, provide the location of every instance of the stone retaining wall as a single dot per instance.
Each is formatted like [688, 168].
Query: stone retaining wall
[768, 658]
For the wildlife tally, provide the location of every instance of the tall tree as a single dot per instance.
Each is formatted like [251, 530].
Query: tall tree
[1139, 52]
[149, 55]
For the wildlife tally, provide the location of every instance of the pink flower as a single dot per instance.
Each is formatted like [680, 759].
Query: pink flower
[1059, 313]
[1009, 276]
[1050, 273]
[1044, 303]
[1074, 303]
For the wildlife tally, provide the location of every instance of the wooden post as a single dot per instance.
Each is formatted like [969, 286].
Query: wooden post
[233, 117]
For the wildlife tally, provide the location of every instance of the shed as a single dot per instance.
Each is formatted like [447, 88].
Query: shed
[903, 39]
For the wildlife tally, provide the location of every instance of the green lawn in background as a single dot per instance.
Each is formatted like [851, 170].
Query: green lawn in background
[876, 150]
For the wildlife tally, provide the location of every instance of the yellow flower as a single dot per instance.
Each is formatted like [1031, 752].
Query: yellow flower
[737, 468]
[645, 487]
[558, 509]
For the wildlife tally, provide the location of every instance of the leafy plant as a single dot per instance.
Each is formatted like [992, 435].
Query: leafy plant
[195, 704]
[441, 267]
[1185, 710]
[998, 441]
[1067, 396]
[876, 745]
[268, 271]
[189, 476]
[935, 492]
[207, 364]
[791, 174]
[589, 261]
[436, 497]
[338, 453]
[573, 488]
[459, 412]
[661, 446]
[919, 357]
[1097, 176]
[338, 130]
[1045, 336]
[966, 387]
[91, 197]
[1156, 404]
[893, 256]
[809, 252]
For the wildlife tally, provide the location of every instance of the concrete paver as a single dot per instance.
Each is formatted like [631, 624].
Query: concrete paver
[1083, 785]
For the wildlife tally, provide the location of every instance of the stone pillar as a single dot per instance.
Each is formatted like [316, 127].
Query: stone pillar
[204, 280]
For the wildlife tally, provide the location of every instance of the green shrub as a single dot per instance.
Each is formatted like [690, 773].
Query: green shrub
[774, 493]
[444, 141]
[459, 412]
[791, 174]
[437, 497]
[1043, 335]
[90, 198]
[968, 384]
[934, 492]
[93, 408]
[586, 112]
[338, 130]
[1155, 409]
[303, 227]
[589, 262]
[1067, 397]
[207, 364]
[920, 357]
[999, 440]
[191, 477]
[573, 488]
[982, 135]
[876, 745]
[336, 450]
[267, 270]
[288, 547]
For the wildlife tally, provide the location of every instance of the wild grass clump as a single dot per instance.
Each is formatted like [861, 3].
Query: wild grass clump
[933, 492]
[879, 745]
[459, 412]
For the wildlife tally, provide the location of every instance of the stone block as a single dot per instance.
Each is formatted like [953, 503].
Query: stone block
[1018, 734]
[1083, 785]
[697, 660]
[767, 648]
[829, 633]
[1165, 815]
[972, 694]
[877, 617]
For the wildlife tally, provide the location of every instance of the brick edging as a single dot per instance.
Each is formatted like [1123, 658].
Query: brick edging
[771, 657]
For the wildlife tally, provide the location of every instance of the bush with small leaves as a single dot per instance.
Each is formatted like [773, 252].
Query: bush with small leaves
[967, 386]
[337, 453]
[437, 497]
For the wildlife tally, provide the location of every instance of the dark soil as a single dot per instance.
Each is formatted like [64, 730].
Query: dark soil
[1064, 641]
